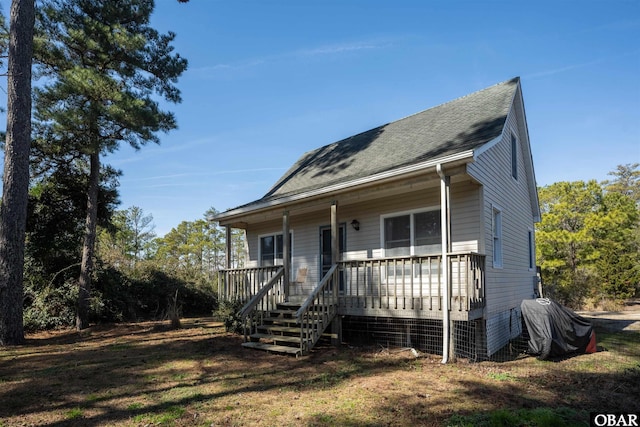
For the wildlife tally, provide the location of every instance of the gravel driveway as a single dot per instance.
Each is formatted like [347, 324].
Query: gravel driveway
[627, 319]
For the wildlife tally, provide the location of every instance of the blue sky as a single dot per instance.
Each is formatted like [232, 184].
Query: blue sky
[270, 80]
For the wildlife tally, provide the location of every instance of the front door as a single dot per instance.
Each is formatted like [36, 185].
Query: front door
[325, 249]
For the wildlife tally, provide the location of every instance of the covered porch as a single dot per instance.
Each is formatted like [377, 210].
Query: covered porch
[356, 279]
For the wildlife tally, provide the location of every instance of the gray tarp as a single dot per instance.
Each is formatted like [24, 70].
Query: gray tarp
[554, 330]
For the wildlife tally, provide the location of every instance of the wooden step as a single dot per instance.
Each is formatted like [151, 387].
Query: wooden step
[276, 338]
[289, 315]
[294, 306]
[272, 348]
[281, 329]
[268, 321]
[281, 320]
[283, 312]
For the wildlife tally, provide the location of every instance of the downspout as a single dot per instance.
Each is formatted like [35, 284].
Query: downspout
[444, 224]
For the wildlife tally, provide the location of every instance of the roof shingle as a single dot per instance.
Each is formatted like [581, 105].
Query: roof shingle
[457, 126]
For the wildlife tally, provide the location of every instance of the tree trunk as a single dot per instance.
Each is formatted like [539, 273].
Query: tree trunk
[88, 247]
[13, 210]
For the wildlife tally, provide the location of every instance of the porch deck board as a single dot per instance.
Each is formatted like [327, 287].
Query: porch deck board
[454, 314]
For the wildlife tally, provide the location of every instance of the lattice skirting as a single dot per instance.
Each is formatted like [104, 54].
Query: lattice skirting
[469, 337]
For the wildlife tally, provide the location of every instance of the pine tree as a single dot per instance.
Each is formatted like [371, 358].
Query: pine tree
[105, 69]
[586, 243]
[626, 180]
[13, 210]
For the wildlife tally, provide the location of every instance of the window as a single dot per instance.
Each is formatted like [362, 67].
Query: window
[272, 250]
[514, 157]
[532, 251]
[397, 235]
[428, 232]
[497, 237]
[415, 233]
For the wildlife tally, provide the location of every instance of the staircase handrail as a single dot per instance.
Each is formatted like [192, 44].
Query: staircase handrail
[323, 283]
[324, 308]
[255, 300]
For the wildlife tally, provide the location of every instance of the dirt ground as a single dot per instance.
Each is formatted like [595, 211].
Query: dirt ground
[146, 374]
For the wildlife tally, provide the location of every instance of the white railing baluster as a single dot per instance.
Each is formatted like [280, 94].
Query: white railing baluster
[403, 283]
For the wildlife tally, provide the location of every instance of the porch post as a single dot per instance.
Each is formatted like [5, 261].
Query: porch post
[335, 232]
[224, 284]
[336, 324]
[286, 250]
[227, 253]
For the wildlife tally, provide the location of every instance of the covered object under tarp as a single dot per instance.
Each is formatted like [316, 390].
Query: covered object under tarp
[556, 331]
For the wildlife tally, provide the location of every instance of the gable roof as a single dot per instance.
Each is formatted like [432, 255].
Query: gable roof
[456, 127]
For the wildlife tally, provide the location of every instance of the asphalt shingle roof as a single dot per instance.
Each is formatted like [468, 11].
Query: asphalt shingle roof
[454, 127]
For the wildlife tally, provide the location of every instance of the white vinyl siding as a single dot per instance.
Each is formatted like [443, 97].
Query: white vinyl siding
[508, 285]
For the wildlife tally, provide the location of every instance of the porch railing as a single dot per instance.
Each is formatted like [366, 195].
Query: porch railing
[266, 299]
[412, 283]
[318, 310]
[467, 281]
[243, 283]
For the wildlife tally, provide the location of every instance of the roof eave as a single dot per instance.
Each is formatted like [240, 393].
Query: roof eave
[451, 160]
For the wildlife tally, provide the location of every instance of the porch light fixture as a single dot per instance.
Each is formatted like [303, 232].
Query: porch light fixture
[355, 224]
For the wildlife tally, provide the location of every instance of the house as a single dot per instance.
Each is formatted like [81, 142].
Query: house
[419, 233]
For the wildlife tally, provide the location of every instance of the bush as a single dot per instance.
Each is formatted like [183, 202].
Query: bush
[50, 307]
[149, 295]
[227, 313]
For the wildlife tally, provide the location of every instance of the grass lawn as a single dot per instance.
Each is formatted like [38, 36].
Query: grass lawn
[145, 374]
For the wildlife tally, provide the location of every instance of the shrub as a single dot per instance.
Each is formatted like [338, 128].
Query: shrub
[149, 294]
[50, 307]
[227, 313]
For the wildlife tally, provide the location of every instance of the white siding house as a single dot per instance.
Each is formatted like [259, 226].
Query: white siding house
[427, 219]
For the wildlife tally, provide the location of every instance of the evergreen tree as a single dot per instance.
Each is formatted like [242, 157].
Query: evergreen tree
[614, 232]
[142, 233]
[586, 242]
[565, 250]
[195, 250]
[57, 203]
[626, 180]
[105, 69]
[128, 238]
[13, 210]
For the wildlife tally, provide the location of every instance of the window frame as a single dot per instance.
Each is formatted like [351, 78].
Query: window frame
[532, 249]
[276, 261]
[412, 231]
[514, 156]
[497, 221]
